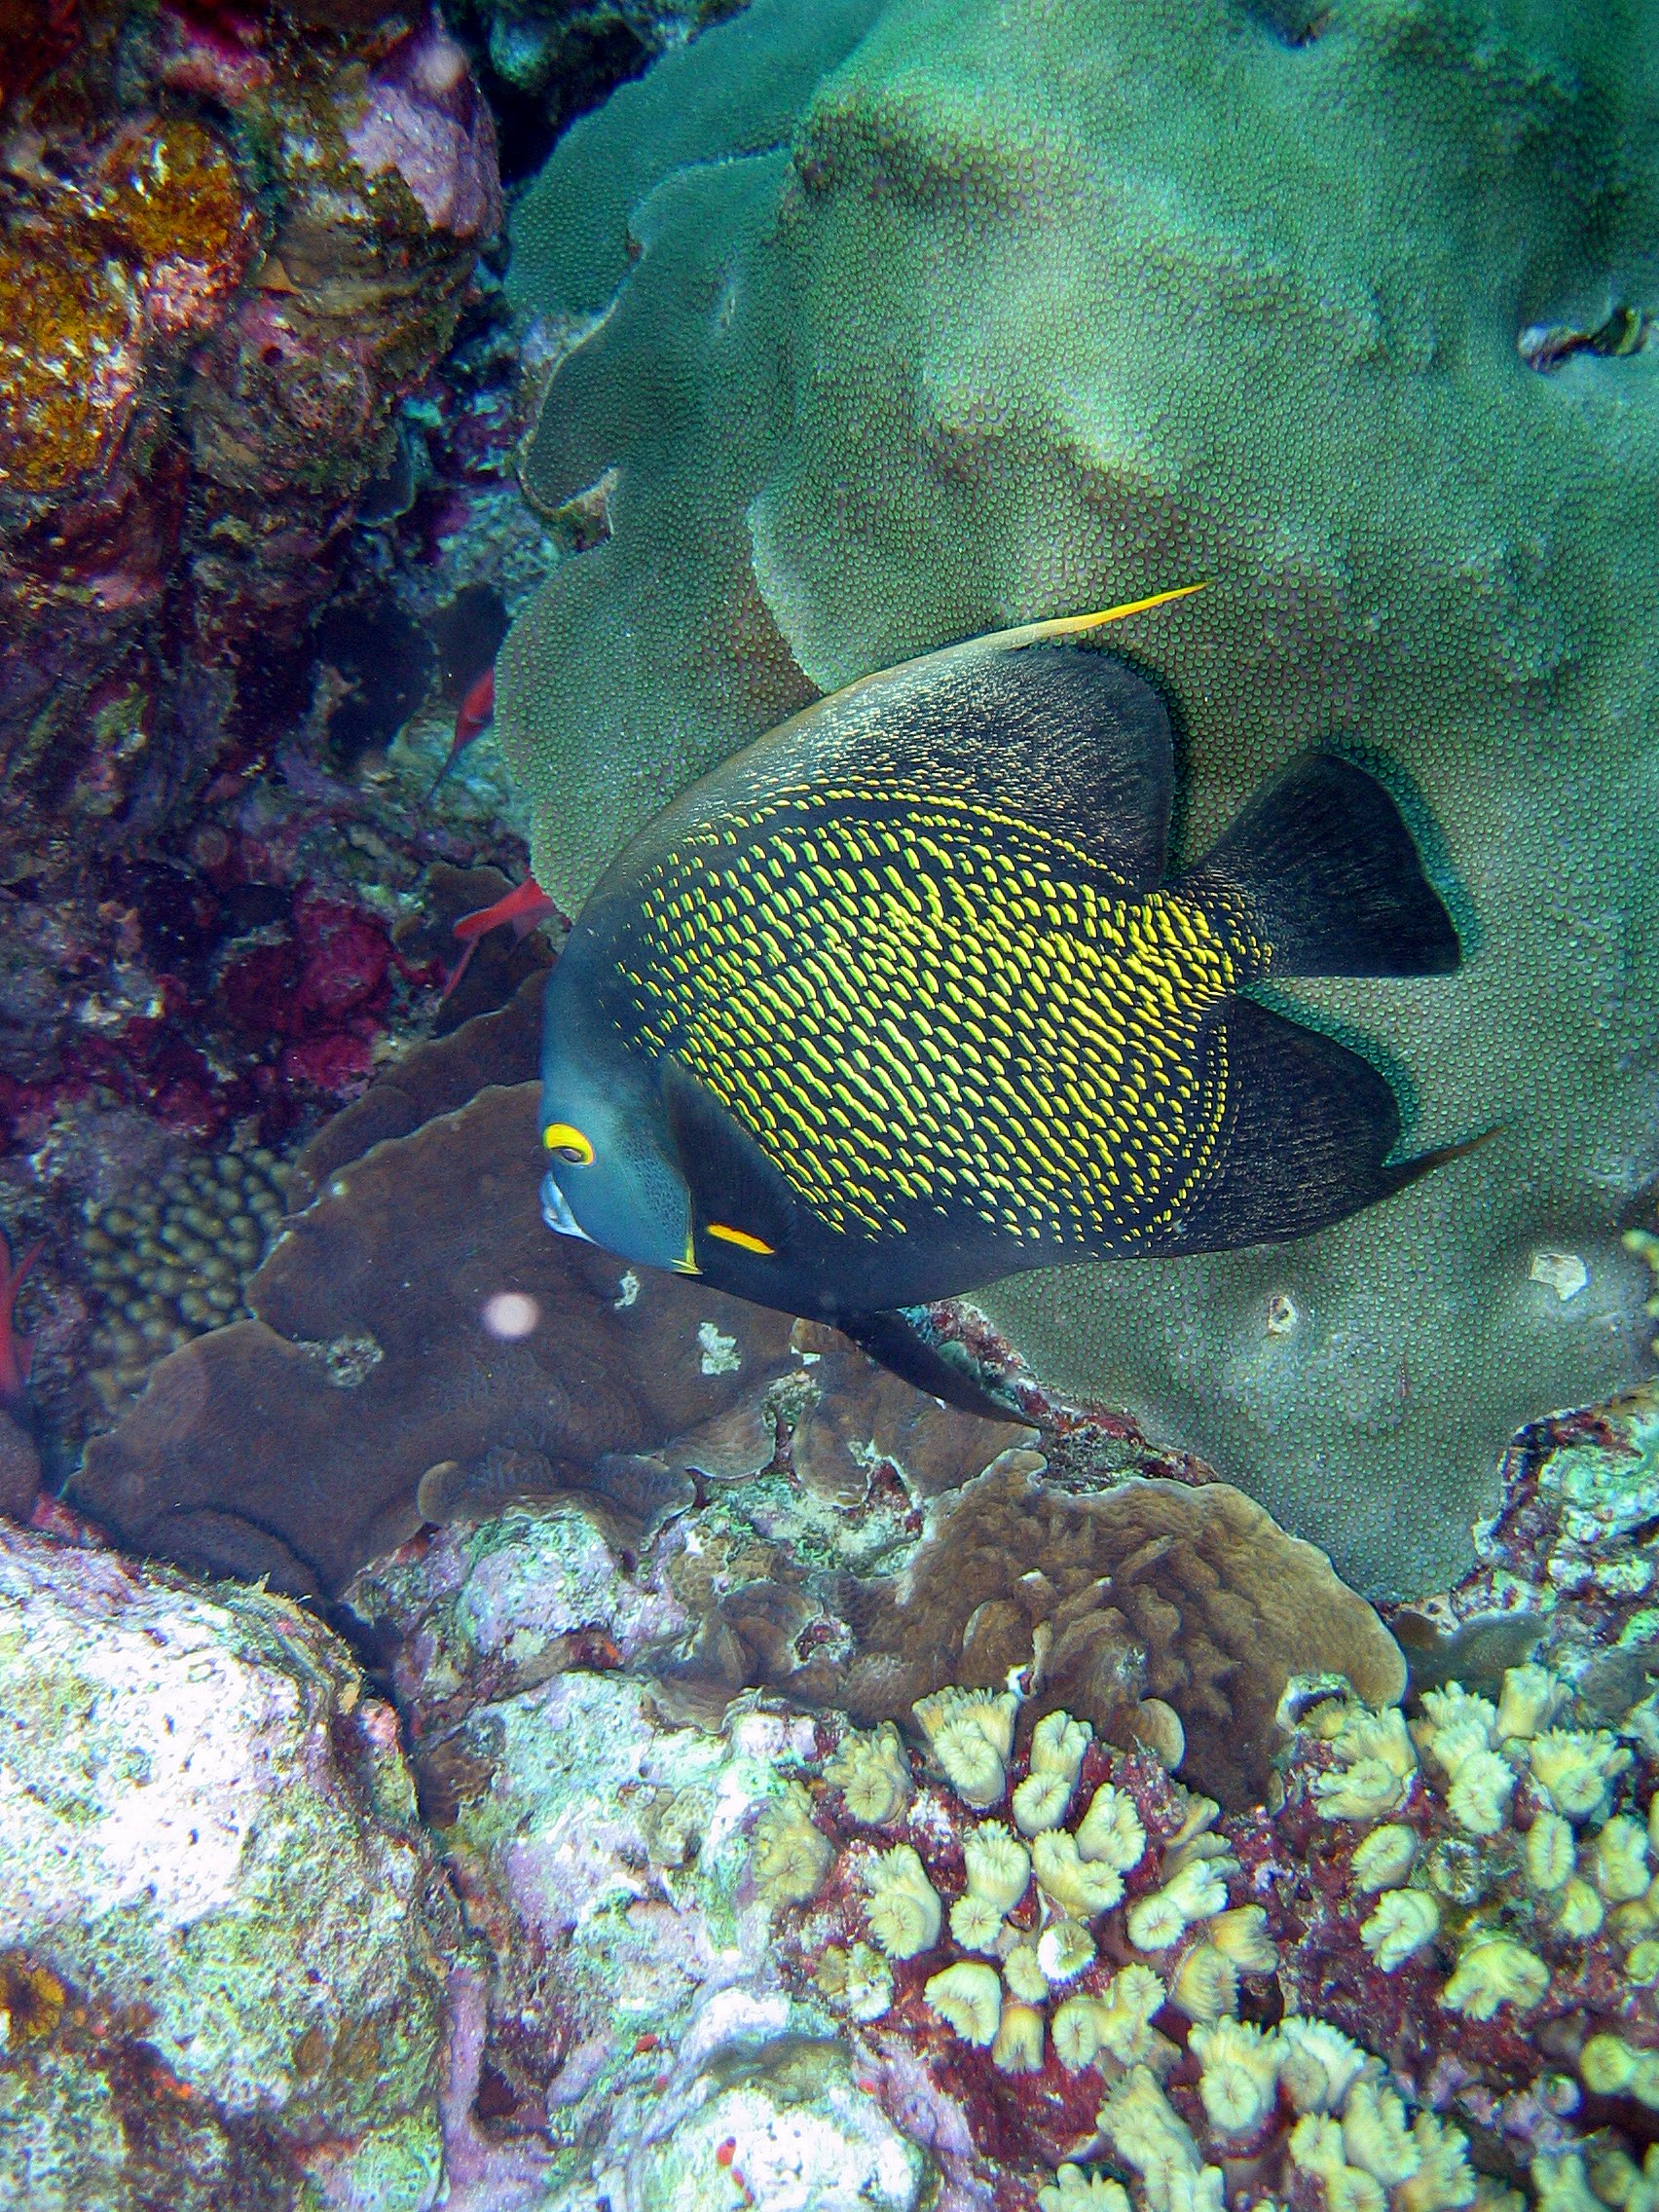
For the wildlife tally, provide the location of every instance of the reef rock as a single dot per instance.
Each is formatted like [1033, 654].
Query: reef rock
[632, 2037]
[219, 1917]
[894, 323]
[239, 246]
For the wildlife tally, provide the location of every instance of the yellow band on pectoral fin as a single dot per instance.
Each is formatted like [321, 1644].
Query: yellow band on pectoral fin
[740, 1238]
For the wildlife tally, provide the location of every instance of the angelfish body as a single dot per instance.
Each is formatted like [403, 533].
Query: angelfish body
[898, 1002]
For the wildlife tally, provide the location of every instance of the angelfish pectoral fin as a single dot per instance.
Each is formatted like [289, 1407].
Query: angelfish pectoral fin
[896, 1340]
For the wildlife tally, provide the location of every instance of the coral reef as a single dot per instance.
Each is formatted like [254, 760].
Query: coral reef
[252, 249]
[176, 1259]
[215, 842]
[1428, 1973]
[1052, 1955]
[1150, 1600]
[221, 1925]
[1474, 1896]
[1048, 308]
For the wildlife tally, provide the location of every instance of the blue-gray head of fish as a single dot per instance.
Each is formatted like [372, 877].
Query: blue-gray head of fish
[611, 1172]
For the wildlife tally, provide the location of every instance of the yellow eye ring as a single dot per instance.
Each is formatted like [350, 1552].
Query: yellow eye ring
[568, 1143]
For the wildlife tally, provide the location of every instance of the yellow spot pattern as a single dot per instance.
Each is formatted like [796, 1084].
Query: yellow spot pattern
[917, 1001]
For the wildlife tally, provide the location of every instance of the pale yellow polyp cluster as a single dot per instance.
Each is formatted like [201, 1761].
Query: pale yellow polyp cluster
[1493, 1970]
[859, 1980]
[1017, 1988]
[999, 1870]
[1376, 1765]
[1074, 2191]
[873, 1774]
[1079, 1875]
[1150, 2136]
[1611, 2067]
[790, 1858]
[1401, 1923]
[1196, 1867]
[1576, 1768]
[1044, 1798]
[1601, 2178]
[1584, 1869]
[1351, 2132]
[1368, 2158]
[1119, 2023]
[971, 1734]
[1608, 1872]
[903, 1911]
[1459, 1735]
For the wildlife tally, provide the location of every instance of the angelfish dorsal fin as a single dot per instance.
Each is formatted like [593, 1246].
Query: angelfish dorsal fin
[1047, 735]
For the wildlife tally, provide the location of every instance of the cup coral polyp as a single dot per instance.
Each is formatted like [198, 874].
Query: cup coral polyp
[1125, 2000]
[1488, 1923]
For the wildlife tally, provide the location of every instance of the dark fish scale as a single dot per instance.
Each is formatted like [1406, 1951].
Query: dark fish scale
[1074, 964]
[899, 1001]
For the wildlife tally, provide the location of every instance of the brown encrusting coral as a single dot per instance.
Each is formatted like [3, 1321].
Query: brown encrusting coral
[424, 1346]
[1184, 1599]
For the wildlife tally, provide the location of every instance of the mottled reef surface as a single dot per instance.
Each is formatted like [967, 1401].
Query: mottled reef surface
[484, 1726]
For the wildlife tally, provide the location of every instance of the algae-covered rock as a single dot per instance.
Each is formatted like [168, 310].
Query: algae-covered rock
[220, 1951]
[633, 2020]
[1046, 307]
[798, 2132]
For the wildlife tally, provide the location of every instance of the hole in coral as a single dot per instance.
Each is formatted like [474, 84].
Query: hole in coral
[466, 634]
[1293, 22]
[380, 663]
[1545, 346]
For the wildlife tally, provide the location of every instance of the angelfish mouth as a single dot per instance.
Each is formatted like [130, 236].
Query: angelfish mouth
[556, 1211]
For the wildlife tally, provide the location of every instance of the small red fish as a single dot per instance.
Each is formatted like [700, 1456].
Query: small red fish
[521, 909]
[477, 711]
[15, 1352]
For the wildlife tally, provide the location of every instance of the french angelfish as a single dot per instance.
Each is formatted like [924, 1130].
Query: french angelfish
[897, 1001]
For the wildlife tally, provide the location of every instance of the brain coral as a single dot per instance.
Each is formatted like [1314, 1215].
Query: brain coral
[1043, 307]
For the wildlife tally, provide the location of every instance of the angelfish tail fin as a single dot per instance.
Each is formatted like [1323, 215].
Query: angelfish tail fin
[1331, 876]
[1310, 1127]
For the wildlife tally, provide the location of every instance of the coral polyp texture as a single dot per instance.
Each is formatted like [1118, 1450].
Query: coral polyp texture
[1053, 1948]
[941, 319]
[1160, 1613]
[1429, 1977]
[1475, 1895]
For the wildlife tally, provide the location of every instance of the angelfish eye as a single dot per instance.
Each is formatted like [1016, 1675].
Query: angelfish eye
[568, 1143]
